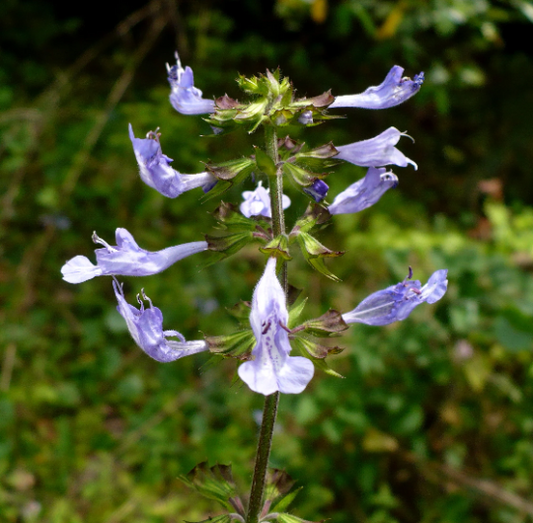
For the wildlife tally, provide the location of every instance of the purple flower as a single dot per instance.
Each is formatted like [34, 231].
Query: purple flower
[396, 302]
[394, 90]
[317, 190]
[146, 328]
[377, 151]
[184, 97]
[126, 259]
[306, 118]
[155, 170]
[364, 192]
[272, 369]
[257, 203]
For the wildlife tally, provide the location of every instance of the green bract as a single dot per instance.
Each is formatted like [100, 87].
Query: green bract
[273, 104]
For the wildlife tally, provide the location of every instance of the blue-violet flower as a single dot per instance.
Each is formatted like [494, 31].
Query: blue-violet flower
[146, 328]
[257, 203]
[376, 152]
[317, 190]
[394, 90]
[272, 369]
[364, 192]
[156, 172]
[396, 302]
[126, 259]
[184, 97]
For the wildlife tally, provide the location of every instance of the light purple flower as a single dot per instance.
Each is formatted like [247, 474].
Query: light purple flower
[126, 259]
[376, 152]
[396, 302]
[272, 369]
[257, 203]
[146, 328]
[317, 190]
[155, 170]
[364, 192]
[306, 118]
[184, 97]
[394, 90]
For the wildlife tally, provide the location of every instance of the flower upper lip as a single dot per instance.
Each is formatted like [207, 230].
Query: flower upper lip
[184, 97]
[156, 172]
[146, 328]
[394, 90]
[364, 192]
[396, 302]
[376, 152]
[126, 259]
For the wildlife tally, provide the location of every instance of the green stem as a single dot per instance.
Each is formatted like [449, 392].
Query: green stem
[271, 402]
[261, 460]
[276, 195]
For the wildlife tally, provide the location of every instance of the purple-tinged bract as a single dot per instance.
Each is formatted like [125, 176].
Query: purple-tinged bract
[272, 369]
[126, 259]
[364, 192]
[376, 152]
[396, 302]
[146, 328]
[184, 97]
[156, 172]
[394, 90]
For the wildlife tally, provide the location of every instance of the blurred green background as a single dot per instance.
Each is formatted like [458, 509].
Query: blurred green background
[434, 419]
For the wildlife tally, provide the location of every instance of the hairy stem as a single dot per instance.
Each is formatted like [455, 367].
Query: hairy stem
[276, 195]
[261, 460]
[271, 402]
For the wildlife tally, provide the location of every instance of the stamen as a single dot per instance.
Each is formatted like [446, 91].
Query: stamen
[285, 328]
[146, 298]
[119, 285]
[153, 135]
[96, 239]
[175, 334]
[405, 134]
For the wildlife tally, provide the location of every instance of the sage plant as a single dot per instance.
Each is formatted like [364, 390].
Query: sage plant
[276, 352]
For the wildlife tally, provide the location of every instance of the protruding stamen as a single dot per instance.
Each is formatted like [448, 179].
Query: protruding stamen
[96, 239]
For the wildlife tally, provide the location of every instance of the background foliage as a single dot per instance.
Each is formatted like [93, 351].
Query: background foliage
[433, 421]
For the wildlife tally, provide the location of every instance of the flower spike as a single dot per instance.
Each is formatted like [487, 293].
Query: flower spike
[364, 192]
[146, 328]
[273, 369]
[156, 172]
[394, 90]
[126, 259]
[376, 152]
[396, 302]
[184, 97]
